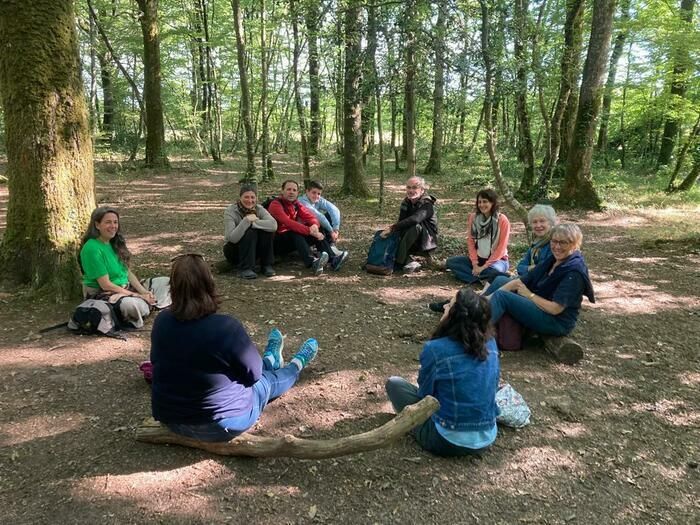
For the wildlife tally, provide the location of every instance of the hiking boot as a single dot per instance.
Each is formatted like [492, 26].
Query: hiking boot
[247, 274]
[273, 350]
[307, 353]
[268, 271]
[339, 260]
[411, 267]
[438, 306]
[319, 263]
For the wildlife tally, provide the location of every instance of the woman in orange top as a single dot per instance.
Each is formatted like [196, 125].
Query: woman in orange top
[487, 242]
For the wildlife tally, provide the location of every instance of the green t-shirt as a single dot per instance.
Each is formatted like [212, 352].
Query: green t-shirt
[100, 259]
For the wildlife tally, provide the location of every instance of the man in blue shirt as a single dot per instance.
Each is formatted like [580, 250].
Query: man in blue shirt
[326, 212]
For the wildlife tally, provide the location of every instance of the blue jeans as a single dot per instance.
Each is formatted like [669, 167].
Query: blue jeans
[526, 312]
[497, 283]
[271, 385]
[461, 267]
[401, 393]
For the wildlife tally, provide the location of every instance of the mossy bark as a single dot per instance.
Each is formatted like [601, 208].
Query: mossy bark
[49, 149]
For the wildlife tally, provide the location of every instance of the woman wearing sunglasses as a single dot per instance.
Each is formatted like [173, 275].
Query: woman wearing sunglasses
[548, 299]
[209, 380]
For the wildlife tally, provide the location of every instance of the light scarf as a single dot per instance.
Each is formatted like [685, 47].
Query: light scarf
[485, 234]
[536, 246]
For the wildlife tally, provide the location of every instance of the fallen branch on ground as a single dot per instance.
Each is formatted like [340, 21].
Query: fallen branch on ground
[151, 431]
[563, 349]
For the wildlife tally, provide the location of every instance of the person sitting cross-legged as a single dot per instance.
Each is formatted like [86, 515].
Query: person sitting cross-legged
[248, 231]
[417, 225]
[326, 212]
[209, 381]
[459, 367]
[298, 229]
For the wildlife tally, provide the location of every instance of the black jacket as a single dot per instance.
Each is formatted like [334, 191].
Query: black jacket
[420, 212]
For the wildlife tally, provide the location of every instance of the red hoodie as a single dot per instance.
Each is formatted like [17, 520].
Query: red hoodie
[292, 216]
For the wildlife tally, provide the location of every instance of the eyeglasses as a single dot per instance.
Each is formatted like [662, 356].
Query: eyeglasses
[560, 242]
[180, 256]
[412, 187]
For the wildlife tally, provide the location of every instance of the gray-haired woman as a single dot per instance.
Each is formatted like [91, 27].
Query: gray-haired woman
[541, 218]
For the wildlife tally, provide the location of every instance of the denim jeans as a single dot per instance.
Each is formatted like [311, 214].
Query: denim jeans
[461, 267]
[526, 312]
[401, 393]
[497, 283]
[271, 385]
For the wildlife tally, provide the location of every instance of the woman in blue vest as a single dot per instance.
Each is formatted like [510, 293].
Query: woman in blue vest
[548, 299]
[459, 367]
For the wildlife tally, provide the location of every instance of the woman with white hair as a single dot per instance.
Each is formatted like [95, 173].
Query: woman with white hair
[541, 218]
[548, 299]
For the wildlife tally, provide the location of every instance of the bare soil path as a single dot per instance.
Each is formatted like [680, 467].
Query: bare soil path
[614, 439]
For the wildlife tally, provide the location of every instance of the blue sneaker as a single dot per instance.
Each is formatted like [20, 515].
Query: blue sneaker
[339, 260]
[307, 353]
[273, 350]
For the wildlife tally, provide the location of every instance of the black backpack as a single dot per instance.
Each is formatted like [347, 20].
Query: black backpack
[94, 317]
[266, 203]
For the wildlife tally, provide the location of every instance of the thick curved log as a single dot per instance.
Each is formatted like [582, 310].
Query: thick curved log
[151, 431]
[563, 349]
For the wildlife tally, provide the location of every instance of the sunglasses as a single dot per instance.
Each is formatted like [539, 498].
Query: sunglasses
[180, 256]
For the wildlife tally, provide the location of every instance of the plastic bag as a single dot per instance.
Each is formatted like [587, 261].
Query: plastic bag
[512, 408]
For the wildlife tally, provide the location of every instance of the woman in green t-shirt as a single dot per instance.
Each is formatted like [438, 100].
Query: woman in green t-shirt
[104, 259]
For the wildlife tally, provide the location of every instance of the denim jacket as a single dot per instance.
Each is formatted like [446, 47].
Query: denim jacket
[464, 386]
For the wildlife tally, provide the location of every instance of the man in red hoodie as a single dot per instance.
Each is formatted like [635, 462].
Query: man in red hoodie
[298, 229]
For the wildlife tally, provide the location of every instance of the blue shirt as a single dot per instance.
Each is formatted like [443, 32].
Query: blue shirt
[320, 209]
[534, 255]
[203, 370]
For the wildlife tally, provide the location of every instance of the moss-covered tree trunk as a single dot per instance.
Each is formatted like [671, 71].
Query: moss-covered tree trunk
[155, 129]
[49, 150]
[353, 169]
[435, 161]
[578, 189]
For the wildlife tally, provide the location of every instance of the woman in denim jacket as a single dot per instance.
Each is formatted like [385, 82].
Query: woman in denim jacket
[459, 367]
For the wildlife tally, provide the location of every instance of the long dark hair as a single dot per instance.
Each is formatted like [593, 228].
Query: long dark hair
[489, 195]
[118, 243]
[467, 323]
[192, 288]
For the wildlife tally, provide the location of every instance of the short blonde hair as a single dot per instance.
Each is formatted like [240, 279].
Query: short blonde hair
[570, 232]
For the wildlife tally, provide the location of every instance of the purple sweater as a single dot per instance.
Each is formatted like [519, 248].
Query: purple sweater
[203, 370]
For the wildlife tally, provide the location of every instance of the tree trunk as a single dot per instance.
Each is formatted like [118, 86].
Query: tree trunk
[526, 147]
[618, 48]
[692, 177]
[679, 85]
[49, 150]
[245, 92]
[107, 95]
[155, 129]
[267, 171]
[435, 160]
[578, 187]
[487, 112]
[367, 86]
[353, 168]
[410, 88]
[297, 95]
[312, 20]
[569, 65]
[690, 142]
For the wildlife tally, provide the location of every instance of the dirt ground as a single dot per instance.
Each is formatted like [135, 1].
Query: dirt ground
[614, 439]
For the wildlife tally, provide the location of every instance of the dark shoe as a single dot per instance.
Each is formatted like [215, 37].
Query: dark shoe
[319, 263]
[438, 306]
[339, 260]
[268, 271]
[247, 274]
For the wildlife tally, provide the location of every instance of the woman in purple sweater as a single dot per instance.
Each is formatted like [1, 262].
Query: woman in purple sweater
[209, 381]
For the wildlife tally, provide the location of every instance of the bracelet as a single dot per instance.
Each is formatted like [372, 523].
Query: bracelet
[532, 294]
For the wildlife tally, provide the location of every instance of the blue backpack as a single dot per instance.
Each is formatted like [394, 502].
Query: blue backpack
[382, 254]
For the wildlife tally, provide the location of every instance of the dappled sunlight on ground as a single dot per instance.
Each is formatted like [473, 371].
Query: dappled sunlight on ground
[630, 297]
[37, 427]
[673, 412]
[689, 378]
[534, 465]
[401, 295]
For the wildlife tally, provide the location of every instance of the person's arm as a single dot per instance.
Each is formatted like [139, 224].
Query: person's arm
[277, 211]
[499, 251]
[471, 246]
[307, 216]
[550, 307]
[426, 374]
[233, 228]
[323, 222]
[108, 286]
[422, 213]
[245, 360]
[524, 264]
[265, 222]
[333, 212]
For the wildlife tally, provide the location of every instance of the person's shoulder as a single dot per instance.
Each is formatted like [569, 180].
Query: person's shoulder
[503, 218]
